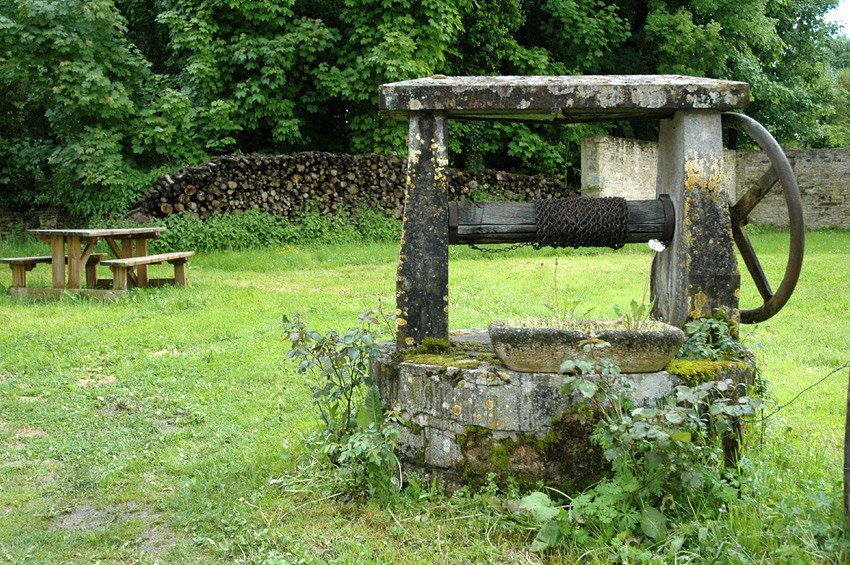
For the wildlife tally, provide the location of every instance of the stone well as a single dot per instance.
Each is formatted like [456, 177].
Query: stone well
[470, 416]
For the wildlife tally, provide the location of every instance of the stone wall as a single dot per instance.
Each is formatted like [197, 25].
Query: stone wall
[622, 167]
[613, 166]
[46, 217]
[822, 175]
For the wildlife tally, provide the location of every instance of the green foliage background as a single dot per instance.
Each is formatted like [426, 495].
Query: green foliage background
[102, 96]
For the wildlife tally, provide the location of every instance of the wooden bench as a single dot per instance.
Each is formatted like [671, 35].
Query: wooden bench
[121, 269]
[21, 265]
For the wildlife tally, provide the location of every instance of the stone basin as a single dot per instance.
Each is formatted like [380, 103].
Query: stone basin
[542, 349]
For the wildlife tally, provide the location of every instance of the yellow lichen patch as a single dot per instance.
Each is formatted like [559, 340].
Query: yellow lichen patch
[409, 341]
[400, 322]
[700, 305]
[456, 409]
[703, 174]
[489, 404]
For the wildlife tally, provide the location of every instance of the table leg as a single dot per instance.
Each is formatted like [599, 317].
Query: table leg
[57, 251]
[91, 270]
[119, 278]
[75, 267]
[180, 272]
[91, 275]
[142, 272]
[127, 251]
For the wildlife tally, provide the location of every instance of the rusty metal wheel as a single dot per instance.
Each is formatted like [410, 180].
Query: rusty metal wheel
[780, 171]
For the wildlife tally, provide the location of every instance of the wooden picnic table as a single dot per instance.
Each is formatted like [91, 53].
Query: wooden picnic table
[72, 252]
[78, 245]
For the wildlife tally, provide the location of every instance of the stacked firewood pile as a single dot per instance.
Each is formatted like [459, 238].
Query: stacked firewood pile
[286, 185]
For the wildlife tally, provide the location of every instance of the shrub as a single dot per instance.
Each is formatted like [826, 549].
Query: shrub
[358, 438]
[254, 229]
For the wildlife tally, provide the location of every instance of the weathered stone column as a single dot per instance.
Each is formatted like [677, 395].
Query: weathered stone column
[698, 273]
[422, 286]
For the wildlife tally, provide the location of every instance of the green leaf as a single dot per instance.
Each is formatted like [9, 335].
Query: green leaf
[588, 388]
[371, 412]
[653, 523]
[547, 537]
[682, 437]
[673, 417]
[677, 543]
[540, 506]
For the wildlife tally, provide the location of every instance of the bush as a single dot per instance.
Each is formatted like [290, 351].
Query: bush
[358, 438]
[254, 229]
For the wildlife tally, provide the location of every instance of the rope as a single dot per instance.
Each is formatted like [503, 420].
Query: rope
[576, 222]
[582, 222]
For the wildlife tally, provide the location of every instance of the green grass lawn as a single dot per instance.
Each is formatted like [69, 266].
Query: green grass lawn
[154, 429]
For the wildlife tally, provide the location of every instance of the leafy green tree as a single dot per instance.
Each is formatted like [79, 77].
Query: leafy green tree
[84, 119]
[102, 93]
[838, 123]
[386, 41]
[250, 69]
[777, 47]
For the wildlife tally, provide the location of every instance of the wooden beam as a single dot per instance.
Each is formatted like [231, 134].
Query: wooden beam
[516, 222]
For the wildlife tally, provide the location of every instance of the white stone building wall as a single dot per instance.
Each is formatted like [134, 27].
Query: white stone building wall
[614, 166]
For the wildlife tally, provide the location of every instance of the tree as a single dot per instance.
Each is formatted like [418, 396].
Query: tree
[777, 47]
[84, 119]
[838, 123]
[102, 93]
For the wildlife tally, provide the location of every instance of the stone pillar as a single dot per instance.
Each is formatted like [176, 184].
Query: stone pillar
[698, 273]
[422, 285]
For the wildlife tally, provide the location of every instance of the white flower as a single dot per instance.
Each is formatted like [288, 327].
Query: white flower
[656, 245]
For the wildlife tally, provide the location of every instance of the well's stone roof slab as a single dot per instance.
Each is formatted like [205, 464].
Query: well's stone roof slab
[561, 98]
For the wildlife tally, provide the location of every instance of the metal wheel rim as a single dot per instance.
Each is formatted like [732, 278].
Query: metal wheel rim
[786, 177]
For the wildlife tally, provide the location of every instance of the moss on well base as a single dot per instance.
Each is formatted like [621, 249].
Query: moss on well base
[695, 372]
[564, 458]
[464, 355]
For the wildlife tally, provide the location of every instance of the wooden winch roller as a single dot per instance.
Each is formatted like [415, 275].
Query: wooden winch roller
[482, 222]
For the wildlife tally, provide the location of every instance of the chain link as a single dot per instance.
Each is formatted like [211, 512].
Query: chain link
[499, 249]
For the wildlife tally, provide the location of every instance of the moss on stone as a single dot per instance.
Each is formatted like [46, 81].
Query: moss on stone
[565, 457]
[695, 372]
[472, 435]
[462, 354]
[433, 346]
[442, 353]
[473, 346]
[459, 361]
[490, 359]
